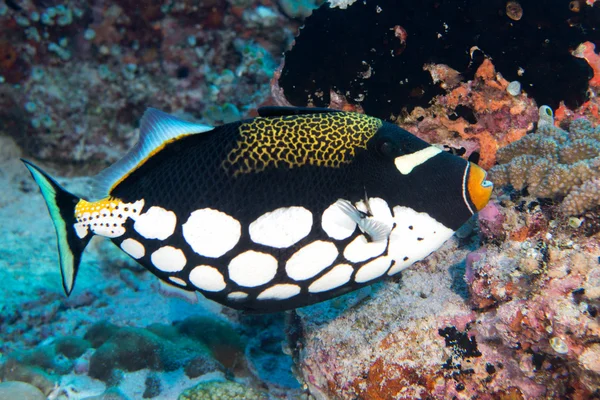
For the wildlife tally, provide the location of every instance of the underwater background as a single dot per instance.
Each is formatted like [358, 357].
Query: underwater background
[506, 309]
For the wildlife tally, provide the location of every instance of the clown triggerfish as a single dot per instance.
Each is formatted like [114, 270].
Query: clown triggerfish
[284, 210]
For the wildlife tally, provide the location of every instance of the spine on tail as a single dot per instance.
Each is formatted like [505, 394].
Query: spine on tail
[61, 205]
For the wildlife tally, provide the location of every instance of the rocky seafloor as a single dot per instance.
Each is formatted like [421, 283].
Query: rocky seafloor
[506, 309]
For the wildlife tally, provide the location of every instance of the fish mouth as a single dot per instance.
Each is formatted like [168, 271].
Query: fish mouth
[478, 187]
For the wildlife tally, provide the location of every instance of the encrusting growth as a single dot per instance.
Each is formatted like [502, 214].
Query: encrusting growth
[554, 163]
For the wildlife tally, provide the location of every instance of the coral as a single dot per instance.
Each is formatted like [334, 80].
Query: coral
[587, 52]
[553, 163]
[299, 8]
[216, 390]
[476, 117]
[375, 54]
[538, 293]
[130, 56]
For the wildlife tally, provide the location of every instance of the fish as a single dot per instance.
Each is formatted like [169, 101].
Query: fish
[284, 210]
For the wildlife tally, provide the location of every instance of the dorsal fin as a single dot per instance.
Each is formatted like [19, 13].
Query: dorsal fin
[157, 128]
[275, 111]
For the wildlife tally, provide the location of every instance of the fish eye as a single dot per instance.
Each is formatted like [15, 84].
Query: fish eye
[387, 148]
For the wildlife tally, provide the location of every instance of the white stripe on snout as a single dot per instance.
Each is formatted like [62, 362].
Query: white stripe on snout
[406, 163]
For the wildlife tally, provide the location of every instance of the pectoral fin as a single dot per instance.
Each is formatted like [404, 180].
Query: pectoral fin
[375, 229]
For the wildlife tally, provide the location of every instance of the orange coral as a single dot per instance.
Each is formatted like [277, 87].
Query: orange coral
[500, 117]
[586, 51]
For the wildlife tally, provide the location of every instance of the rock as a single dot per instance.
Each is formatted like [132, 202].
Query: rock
[13, 370]
[153, 388]
[216, 390]
[100, 333]
[129, 349]
[8, 149]
[110, 394]
[202, 365]
[14, 390]
[71, 346]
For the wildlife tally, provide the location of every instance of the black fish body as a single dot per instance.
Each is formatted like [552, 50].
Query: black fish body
[284, 210]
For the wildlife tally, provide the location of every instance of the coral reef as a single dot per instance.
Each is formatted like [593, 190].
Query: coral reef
[537, 291]
[78, 76]
[474, 118]
[554, 163]
[374, 53]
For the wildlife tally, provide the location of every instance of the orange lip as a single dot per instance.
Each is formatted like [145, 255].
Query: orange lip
[480, 189]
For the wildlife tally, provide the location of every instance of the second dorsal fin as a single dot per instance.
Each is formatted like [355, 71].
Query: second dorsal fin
[157, 128]
[275, 111]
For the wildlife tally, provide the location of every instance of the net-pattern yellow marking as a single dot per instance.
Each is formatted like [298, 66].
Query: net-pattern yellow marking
[327, 140]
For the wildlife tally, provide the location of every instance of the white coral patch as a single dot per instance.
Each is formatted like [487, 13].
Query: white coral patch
[207, 278]
[211, 233]
[252, 268]
[338, 276]
[279, 292]
[373, 269]
[310, 260]
[360, 249]
[336, 223]
[134, 248]
[168, 259]
[415, 236]
[156, 223]
[282, 227]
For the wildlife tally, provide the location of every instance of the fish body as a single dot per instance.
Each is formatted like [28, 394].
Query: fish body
[284, 210]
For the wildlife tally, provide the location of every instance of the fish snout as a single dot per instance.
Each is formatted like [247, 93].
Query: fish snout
[478, 188]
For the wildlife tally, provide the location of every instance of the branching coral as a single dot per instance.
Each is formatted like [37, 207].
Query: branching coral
[554, 163]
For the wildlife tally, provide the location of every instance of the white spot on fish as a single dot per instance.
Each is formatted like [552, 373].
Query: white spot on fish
[373, 269]
[282, 227]
[252, 268]
[207, 278]
[81, 230]
[336, 223]
[338, 276]
[415, 236]
[360, 249]
[211, 233]
[279, 292]
[168, 259]
[134, 248]
[177, 280]
[156, 223]
[408, 162]
[237, 296]
[310, 260]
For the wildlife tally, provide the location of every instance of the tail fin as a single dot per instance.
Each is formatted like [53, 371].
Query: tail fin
[61, 205]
